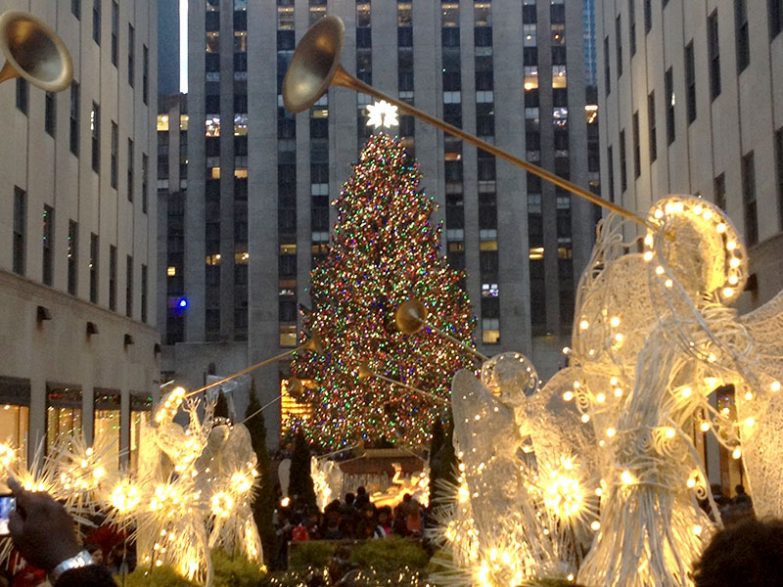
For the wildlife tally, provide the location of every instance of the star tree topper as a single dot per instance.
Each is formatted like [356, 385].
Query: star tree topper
[382, 114]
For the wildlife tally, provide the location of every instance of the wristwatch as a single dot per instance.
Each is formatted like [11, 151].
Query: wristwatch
[82, 559]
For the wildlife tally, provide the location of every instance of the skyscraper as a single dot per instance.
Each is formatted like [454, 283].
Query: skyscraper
[691, 98]
[255, 213]
[78, 347]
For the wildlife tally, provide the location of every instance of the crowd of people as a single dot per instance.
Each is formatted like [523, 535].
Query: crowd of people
[353, 518]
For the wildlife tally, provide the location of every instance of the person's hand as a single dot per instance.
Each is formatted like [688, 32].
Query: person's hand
[41, 529]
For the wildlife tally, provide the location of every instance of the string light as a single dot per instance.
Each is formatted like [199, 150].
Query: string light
[385, 249]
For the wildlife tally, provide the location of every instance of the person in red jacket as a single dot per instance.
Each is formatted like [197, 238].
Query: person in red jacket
[44, 534]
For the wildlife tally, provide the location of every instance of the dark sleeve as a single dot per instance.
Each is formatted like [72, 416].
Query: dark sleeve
[92, 576]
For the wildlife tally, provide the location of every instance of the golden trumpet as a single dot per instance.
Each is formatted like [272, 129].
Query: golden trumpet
[34, 52]
[316, 66]
[410, 316]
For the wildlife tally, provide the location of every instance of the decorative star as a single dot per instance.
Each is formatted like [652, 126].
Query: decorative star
[382, 114]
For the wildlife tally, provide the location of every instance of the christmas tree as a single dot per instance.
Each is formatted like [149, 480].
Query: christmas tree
[384, 250]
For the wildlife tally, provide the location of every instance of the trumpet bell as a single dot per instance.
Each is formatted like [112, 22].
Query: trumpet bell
[364, 372]
[33, 51]
[315, 62]
[410, 316]
[314, 344]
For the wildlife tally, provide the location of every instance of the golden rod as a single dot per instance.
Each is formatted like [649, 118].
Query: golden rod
[316, 65]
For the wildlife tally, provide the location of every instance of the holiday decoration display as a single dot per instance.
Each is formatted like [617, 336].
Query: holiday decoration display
[384, 251]
[653, 339]
[190, 496]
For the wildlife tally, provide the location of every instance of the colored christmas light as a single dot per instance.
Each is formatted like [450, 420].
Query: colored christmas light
[384, 250]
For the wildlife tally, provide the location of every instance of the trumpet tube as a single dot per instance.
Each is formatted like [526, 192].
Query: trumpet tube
[316, 66]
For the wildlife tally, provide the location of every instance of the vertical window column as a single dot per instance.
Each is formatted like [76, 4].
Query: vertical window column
[20, 230]
[405, 72]
[487, 203]
[319, 181]
[48, 245]
[452, 113]
[73, 257]
[286, 177]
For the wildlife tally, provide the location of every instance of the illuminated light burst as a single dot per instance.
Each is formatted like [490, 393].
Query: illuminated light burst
[563, 491]
[384, 250]
[382, 114]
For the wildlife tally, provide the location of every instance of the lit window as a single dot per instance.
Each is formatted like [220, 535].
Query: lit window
[14, 424]
[240, 124]
[559, 76]
[171, 271]
[490, 331]
[489, 290]
[106, 429]
[240, 173]
[213, 42]
[450, 14]
[63, 414]
[531, 77]
[215, 173]
[183, 122]
[240, 41]
[285, 18]
[212, 125]
[560, 115]
[489, 245]
[213, 259]
[163, 122]
[591, 113]
[140, 407]
[288, 335]
[241, 257]
[288, 249]
[529, 32]
[536, 253]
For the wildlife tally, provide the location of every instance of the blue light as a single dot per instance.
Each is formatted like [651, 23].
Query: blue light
[182, 303]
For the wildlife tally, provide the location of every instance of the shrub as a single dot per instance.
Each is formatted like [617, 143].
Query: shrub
[235, 571]
[310, 554]
[158, 577]
[390, 554]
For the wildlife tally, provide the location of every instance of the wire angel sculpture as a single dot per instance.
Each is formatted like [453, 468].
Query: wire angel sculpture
[654, 336]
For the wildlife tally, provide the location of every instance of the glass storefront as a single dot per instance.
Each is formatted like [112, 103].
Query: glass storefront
[107, 425]
[140, 408]
[63, 412]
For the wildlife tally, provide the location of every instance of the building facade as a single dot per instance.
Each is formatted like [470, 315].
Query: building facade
[78, 345]
[691, 97]
[252, 217]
